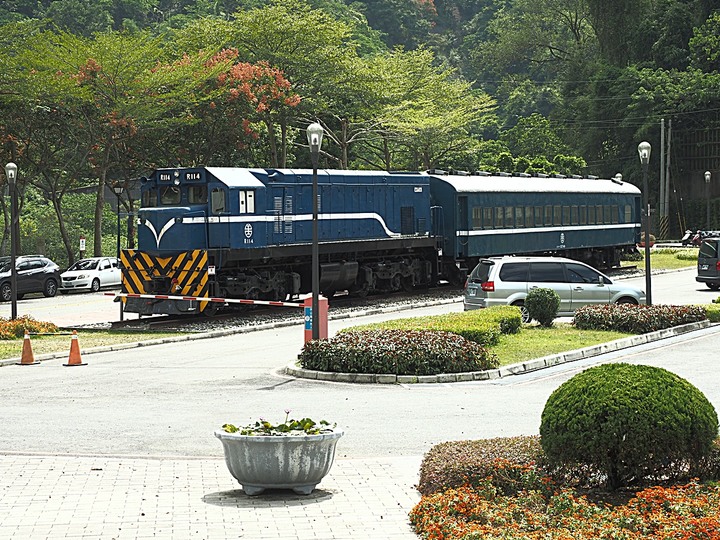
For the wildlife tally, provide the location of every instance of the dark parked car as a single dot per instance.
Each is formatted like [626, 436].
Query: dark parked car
[708, 263]
[35, 273]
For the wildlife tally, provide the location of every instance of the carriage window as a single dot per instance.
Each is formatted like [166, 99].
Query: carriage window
[557, 215]
[628, 213]
[566, 215]
[487, 218]
[499, 217]
[247, 202]
[615, 213]
[583, 215]
[197, 194]
[509, 223]
[528, 216]
[519, 217]
[149, 198]
[573, 215]
[170, 195]
[599, 214]
[477, 213]
[538, 216]
[591, 215]
[548, 215]
[217, 200]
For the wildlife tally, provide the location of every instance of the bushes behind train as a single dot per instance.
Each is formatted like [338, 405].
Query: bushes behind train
[542, 305]
[400, 352]
[636, 319]
[631, 424]
[483, 326]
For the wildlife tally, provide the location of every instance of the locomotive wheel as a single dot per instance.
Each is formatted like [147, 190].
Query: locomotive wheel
[407, 284]
[211, 309]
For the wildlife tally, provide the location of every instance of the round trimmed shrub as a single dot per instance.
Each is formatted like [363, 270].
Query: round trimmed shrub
[629, 423]
[542, 305]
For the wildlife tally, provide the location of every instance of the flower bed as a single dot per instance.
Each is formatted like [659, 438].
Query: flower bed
[686, 511]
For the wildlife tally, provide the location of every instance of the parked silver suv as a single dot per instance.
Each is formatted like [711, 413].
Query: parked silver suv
[499, 281]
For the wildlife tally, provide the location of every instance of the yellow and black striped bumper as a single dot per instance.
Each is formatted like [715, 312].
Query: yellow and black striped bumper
[184, 274]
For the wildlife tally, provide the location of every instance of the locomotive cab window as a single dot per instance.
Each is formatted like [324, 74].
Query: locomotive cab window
[217, 201]
[170, 195]
[247, 202]
[149, 198]
[197, 194]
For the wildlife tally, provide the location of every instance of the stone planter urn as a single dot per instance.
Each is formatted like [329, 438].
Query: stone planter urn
[287, 461]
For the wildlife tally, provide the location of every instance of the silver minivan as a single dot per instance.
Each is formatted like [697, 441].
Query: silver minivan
[498, 281]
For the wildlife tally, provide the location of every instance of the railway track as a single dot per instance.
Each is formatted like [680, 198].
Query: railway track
[257, 315]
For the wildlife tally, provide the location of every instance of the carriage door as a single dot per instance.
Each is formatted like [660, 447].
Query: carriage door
[218, 222]
[462, 227]
[283, 230]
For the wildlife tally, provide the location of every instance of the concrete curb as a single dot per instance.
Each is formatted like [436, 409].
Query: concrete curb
[514, 369]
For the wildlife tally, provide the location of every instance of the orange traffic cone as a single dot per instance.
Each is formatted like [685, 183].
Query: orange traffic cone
[74, 358]
[27, 359]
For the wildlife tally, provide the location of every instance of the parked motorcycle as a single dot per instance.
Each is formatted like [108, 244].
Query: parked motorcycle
[687, 237]
[695, 238]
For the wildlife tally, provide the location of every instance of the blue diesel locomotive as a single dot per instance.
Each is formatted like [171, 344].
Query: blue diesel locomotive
[238, 233]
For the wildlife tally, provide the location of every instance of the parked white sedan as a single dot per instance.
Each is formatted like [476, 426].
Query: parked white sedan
[90, 274]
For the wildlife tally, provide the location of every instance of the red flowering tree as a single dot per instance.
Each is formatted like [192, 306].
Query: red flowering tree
[239, 113]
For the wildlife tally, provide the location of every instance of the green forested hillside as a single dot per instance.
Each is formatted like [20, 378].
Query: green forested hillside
[94, 93]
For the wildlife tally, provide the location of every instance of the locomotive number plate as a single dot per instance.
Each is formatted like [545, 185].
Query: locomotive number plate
[703, 267]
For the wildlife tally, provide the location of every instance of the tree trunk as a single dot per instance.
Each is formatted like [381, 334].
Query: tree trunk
[56, 202]
[273, 142]
[283, 143]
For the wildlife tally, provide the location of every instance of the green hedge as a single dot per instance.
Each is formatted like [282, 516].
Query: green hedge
[400, 352]
[483, 326]
[630, 423]
[636, 319]
[504, 461]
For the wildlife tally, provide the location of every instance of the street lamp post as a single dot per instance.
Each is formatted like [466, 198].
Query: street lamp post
[314, 136]
[118, 190]
[11, 174]
[707, 198]
[644, 149]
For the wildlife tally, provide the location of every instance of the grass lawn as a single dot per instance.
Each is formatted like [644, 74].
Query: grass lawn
[86, 340]
[666, 259]
[536, 341]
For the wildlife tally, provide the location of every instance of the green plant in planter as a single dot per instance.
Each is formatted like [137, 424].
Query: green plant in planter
[262, 427]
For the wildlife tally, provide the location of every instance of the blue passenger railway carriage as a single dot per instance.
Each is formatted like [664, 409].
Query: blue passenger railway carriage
[586, 219]
[240, 233]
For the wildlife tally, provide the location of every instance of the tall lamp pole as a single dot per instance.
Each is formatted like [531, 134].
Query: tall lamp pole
[118, 190]
[644, 151]
[11, 174]
[314, 136]
[707, 198]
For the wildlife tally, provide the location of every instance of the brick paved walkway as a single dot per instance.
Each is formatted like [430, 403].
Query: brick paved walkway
[122, 498]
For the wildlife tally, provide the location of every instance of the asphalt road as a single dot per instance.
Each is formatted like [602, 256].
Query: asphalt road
[167, 399]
